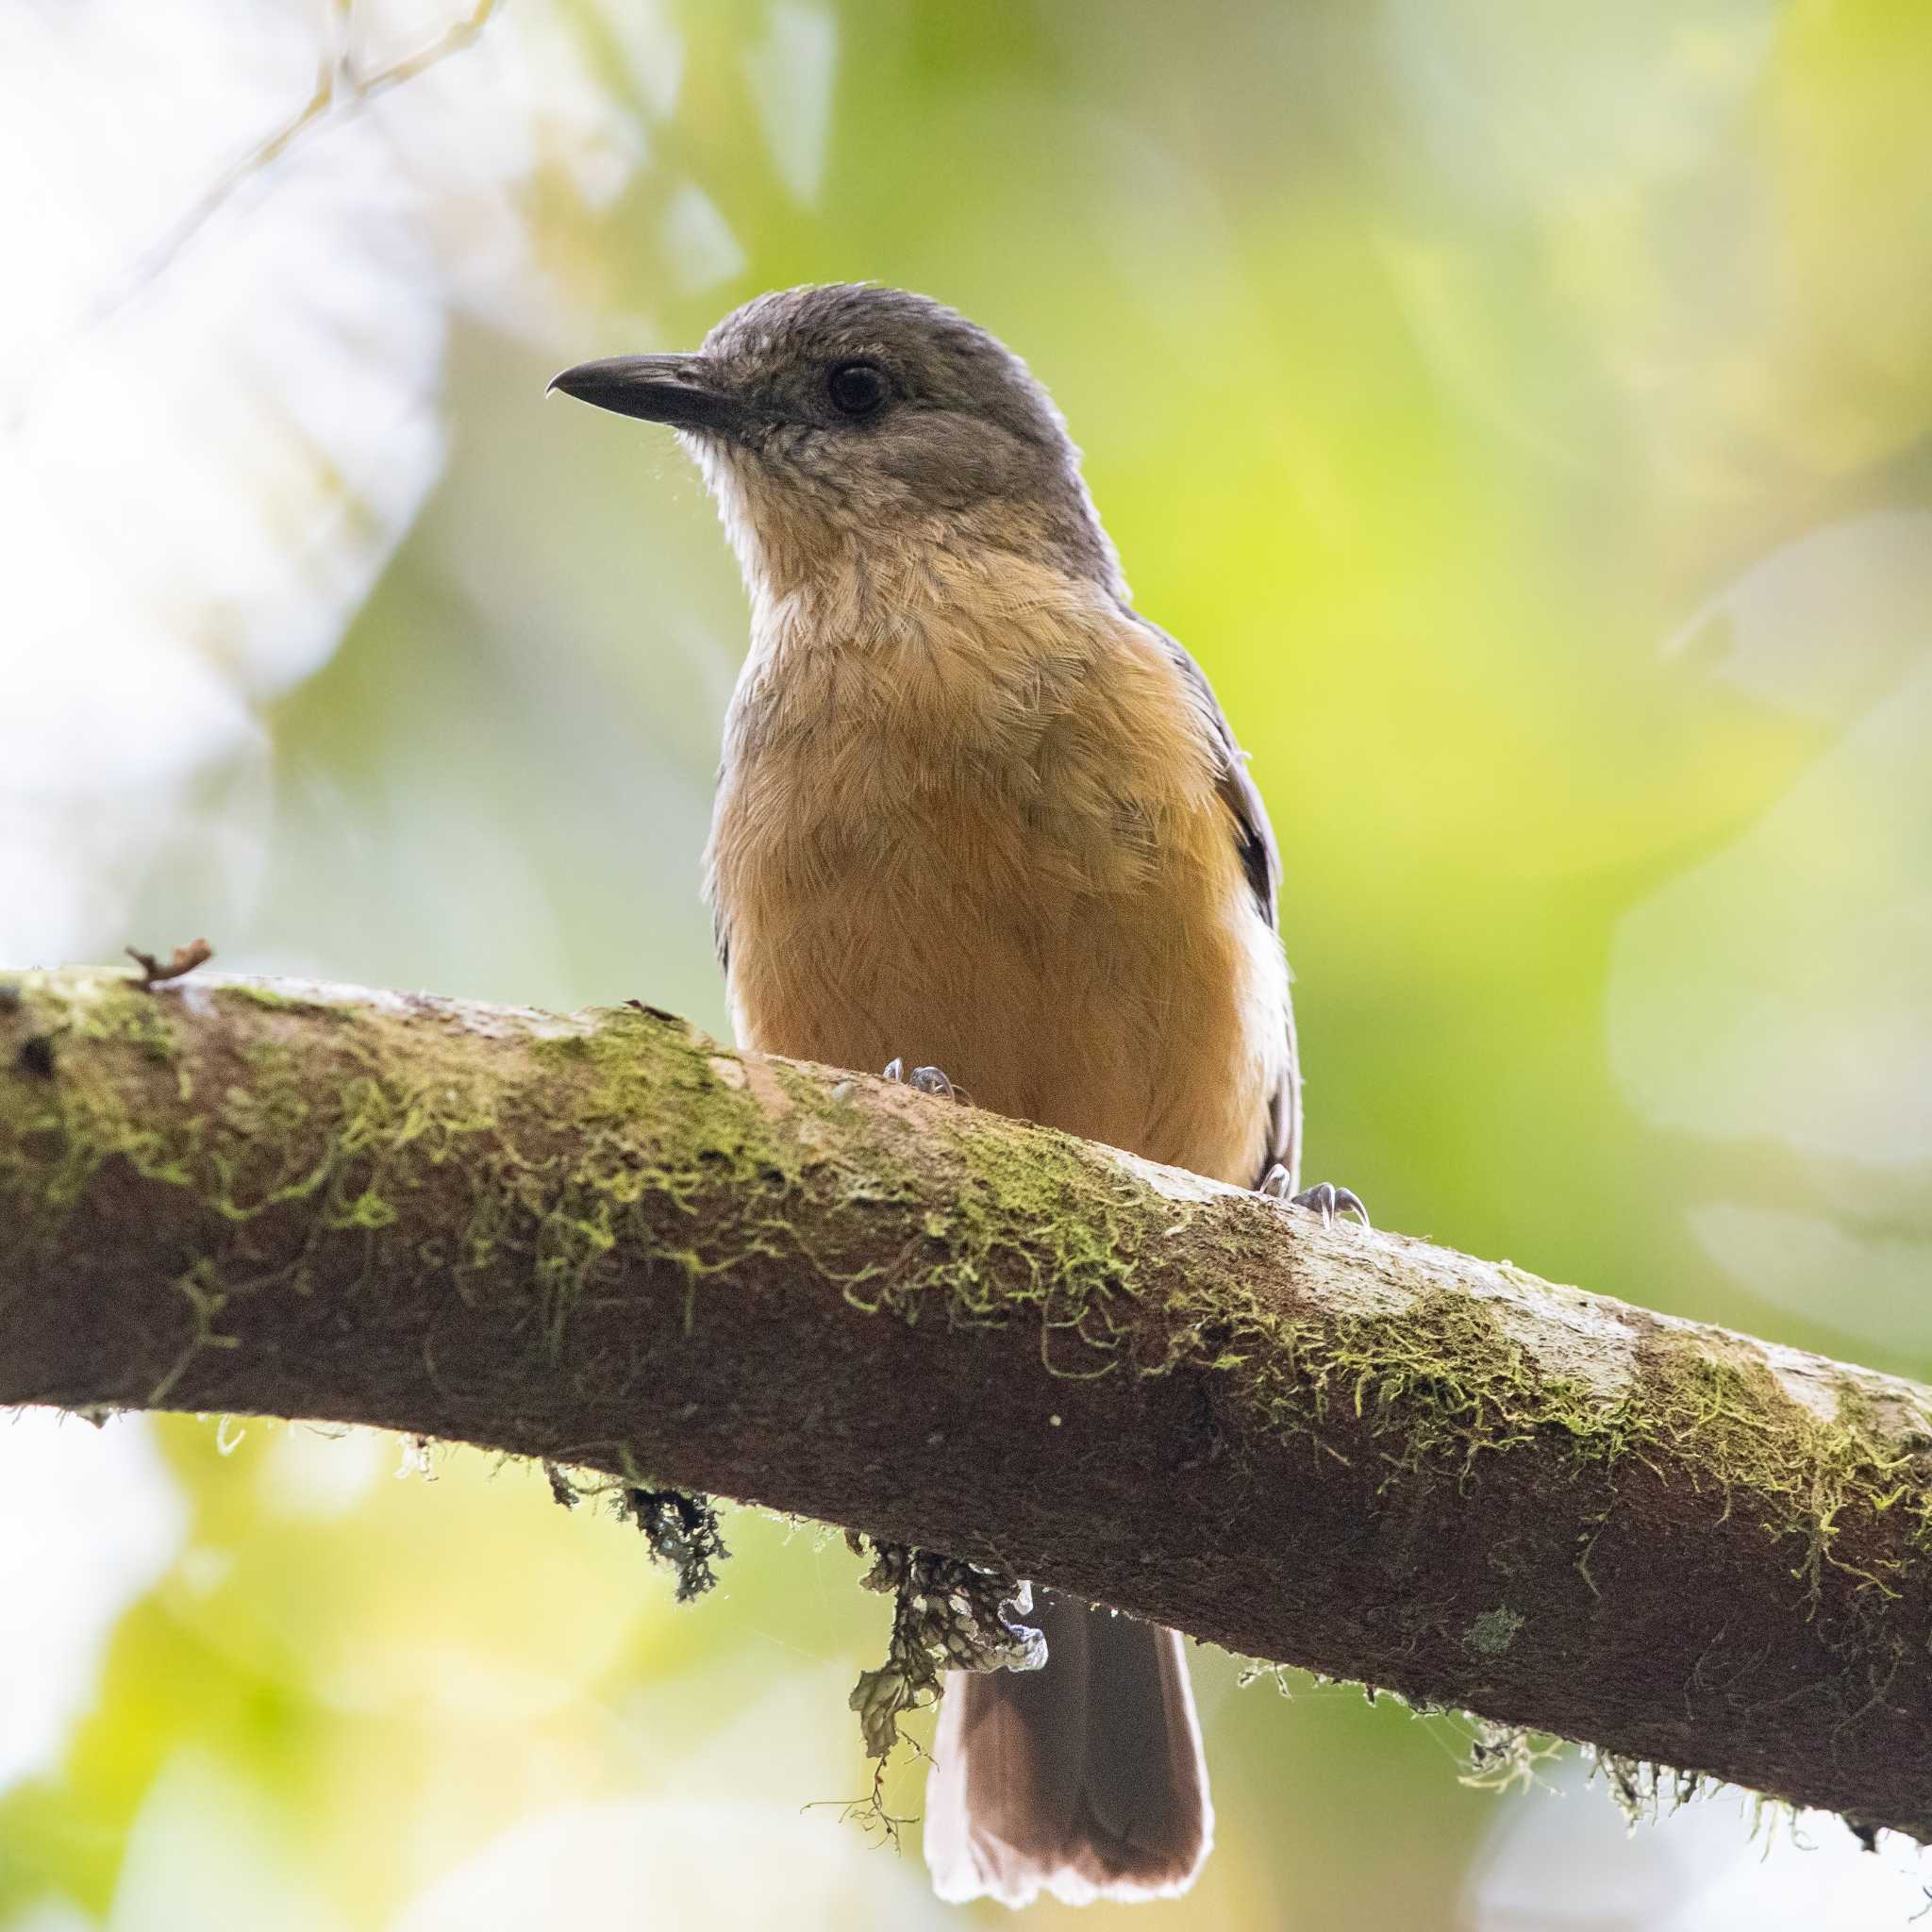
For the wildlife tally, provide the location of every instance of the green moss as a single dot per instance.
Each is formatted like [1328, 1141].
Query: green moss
[1034, 1230]
[125, 1012]
[1442, 1373]
[653, 1120]
[250, 992]
[260, 1137]
[670, 1123]
[62, 1103]
[1494, 1632]
[1448, 1384]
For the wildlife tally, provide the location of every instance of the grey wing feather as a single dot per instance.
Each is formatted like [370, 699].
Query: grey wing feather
[1262, 861]
[721, 922]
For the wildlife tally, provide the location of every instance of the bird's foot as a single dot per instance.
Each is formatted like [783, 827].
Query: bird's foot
[1324, 1198]
[922, 1079]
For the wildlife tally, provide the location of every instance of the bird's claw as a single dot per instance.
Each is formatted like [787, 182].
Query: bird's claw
[1324, 1198]
[921, 1079]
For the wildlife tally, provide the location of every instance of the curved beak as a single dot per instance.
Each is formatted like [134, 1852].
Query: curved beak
[685, 391]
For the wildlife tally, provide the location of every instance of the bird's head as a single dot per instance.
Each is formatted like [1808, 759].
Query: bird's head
[832, 421]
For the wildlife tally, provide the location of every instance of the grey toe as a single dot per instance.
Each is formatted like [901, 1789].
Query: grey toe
[1326, 1199]
[921, 1079]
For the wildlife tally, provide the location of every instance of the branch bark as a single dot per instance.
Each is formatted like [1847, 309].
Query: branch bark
[610, 1241]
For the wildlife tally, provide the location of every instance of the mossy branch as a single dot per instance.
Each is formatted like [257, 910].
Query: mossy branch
[609, 1242]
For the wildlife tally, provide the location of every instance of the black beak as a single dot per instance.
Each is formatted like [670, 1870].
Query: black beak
[685, 391]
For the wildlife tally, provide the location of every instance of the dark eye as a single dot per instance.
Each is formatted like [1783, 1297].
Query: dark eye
[856, 389]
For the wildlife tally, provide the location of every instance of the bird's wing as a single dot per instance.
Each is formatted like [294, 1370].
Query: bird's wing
[1261, 863]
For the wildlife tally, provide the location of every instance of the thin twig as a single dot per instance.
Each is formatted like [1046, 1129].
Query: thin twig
[341, 90]
[185, 959]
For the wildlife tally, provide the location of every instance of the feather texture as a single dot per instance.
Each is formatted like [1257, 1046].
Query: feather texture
[979, 816]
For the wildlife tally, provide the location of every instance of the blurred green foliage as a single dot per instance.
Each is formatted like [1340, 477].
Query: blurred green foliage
[1521, 412]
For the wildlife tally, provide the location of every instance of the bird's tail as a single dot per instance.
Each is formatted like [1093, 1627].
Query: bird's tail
[1084, 1778]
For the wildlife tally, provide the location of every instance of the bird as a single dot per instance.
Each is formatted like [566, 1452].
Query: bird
[978, 817]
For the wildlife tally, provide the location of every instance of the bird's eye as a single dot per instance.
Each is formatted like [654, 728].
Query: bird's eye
[856, 389]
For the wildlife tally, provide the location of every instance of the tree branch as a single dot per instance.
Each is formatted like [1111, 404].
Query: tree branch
[607, 1240]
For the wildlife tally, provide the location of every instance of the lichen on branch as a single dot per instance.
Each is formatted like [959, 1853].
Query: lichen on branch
[946, 1616]
[682, 1531]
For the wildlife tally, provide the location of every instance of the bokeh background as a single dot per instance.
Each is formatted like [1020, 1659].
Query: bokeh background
[1522, 411]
